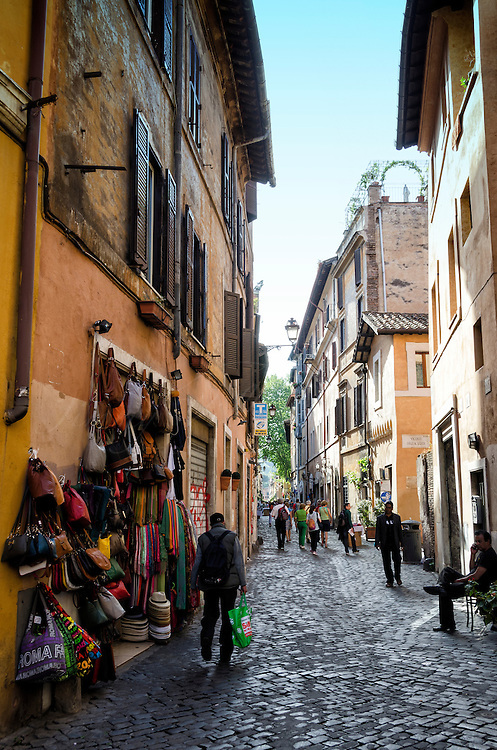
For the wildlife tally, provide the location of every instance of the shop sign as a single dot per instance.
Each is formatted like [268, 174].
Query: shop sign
[260, 419]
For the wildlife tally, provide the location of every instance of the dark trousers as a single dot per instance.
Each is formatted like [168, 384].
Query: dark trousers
[213, 599]
[453, 590]
[280, 533]
[389, 553]
[349, 537]
[314, 539]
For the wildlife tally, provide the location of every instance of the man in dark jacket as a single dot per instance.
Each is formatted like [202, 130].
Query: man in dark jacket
[222, 593]
[388, 539]
[452, 584]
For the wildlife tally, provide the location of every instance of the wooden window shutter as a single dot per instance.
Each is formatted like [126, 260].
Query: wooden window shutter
[247, 382]
[232, 335]
[168, 36]
[169, 238]
[199, 290]
[225, 178]
[334, 355]
[141, 207]
[240, 245]
[308, 398]
[356, 406]
[340, 292]
[251, 200]
[188, 267]
[357, 266]
[325, 369]
[338, 417]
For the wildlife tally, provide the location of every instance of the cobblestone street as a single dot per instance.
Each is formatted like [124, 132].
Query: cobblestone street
[337, 661]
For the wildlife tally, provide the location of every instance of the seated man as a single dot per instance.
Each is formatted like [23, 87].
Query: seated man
[451, 584]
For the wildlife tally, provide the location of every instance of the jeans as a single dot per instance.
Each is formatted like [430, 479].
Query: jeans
[212, 600]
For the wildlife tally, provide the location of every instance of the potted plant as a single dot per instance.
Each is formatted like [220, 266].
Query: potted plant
[225, 479]
[365, 513]
[235, 480]
[486, 602]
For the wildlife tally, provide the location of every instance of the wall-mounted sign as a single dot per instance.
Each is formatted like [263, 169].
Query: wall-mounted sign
[260, 419]
[415, 441]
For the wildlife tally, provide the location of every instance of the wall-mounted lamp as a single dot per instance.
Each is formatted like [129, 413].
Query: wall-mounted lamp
[292, 330]
[272, 410]
[102, 326]
[176, 375]
[474, 441]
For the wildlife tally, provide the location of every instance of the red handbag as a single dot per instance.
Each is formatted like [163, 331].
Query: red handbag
[118, 589]
[76, 508]
[41, 481]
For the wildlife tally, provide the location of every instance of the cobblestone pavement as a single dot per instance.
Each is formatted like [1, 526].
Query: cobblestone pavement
[337, 661]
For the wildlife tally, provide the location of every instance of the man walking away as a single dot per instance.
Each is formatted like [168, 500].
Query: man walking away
[280, 514]
[218, 571]
[344, 526]
[388, 539]
[451, 583]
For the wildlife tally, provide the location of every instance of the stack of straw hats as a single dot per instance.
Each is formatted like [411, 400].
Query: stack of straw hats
[134, 626]
[159, 614]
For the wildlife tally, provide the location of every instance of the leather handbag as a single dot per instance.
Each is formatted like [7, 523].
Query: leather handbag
[92, 614]
[41, 481]
[119, 414]
[17, 543]
[76, 508]
[133, 394]
[117, 544]
[103, 544]
[146, 401]
[98, 558]
[113, 391]
[165, 420]
[110, 605]
[118, 589]
[115, 573]
[94, 455]
[62, 545]
[118, 455]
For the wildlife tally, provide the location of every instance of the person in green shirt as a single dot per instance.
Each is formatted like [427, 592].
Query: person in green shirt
[300, 517]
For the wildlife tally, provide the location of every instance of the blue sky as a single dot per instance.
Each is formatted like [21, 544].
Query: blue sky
[332, 81]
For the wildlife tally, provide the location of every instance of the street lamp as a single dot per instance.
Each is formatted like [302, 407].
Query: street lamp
[292, 330]
[272, 410]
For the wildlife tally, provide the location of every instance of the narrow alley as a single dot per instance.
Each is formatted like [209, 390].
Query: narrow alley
[337, 661]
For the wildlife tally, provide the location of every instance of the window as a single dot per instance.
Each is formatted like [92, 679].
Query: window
[194, 98]
[154, 196]
[240, 238]
[452, 295]
[357, 265]
[341, 414]
[377, 380]
[158, 15]
[340, 292]
[232, 335]
[359, 404]
[478, 344]
[466, 214]
[359, 310]
[345, 489]
[146, 9]
[342, 335]
[334, 355]
[422, 370]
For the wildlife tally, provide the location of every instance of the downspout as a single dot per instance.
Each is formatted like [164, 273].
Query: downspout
[28, 229]
[178, 173]
[382, 261]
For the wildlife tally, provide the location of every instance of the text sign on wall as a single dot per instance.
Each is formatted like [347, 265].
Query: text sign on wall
[415, 441]
[260, 419]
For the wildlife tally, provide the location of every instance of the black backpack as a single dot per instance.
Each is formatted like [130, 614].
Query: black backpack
[215, 566]
[341, 519]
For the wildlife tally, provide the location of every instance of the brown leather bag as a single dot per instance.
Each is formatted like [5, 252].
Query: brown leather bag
[165, 418]
[62, 544]
[41, 481]
[146, 402]
[98, 558]
[113, 391]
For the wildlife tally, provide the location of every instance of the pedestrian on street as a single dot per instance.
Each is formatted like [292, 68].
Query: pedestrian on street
[280, 514]
[452, 584]
[388, 539]
[325, 517]
[344, 526]
[288, 522]
[270, 512]
[313, 525]
[300, 517]
[218, 571]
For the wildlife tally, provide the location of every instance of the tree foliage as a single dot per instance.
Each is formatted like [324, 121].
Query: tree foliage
[274, 447]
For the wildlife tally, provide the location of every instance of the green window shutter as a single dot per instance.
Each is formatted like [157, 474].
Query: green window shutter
[141, 208]
[232, 335]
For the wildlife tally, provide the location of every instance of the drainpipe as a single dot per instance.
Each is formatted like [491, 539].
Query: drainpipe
[382, 261]
[28, 229]
[178, 174]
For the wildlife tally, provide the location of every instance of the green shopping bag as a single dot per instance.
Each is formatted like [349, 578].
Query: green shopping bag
[240, 619]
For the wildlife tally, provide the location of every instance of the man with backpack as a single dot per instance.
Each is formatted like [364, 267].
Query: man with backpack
[218, 571]
[281, 514]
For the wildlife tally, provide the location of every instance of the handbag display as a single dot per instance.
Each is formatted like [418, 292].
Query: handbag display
[42, 655]
[113, 391]
[41, 481]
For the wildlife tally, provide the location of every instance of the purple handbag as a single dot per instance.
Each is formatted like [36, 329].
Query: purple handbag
[42, 655]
